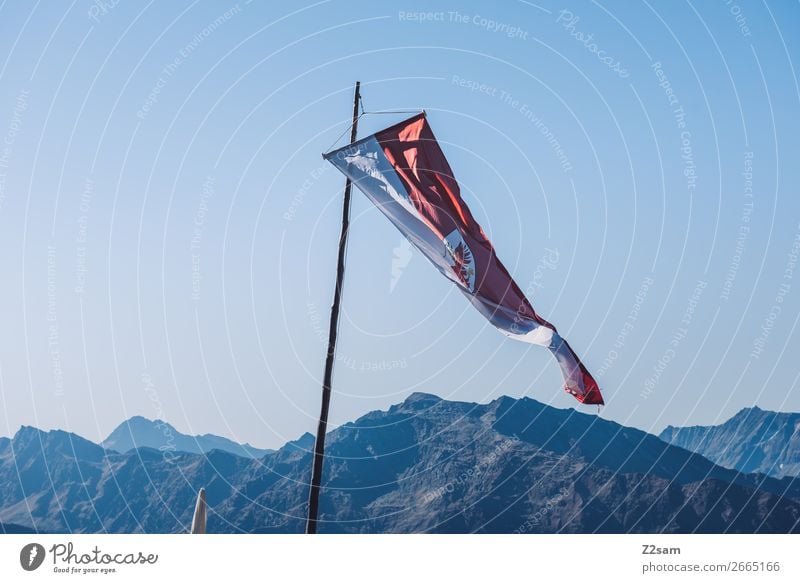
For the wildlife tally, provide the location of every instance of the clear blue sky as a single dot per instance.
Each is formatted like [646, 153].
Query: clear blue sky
[168, 229]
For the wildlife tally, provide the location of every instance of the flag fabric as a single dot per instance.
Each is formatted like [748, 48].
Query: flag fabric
[404, 172]
[199, 518]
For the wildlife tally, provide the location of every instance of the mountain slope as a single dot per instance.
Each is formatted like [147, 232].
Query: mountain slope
[425, 465]
[753, 440]
[15, 529]
[140, 432]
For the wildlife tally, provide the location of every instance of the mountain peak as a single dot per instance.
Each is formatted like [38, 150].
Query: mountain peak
[141, 420]
[420, 400]
[26, 431]
[755, 409]
[32, 441]
[304, 443]
[138, 432]
[753, 440]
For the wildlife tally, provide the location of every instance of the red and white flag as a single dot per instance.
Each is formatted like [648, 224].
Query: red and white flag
[404, 172]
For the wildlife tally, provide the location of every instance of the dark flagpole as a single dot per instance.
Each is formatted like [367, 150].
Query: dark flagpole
[319, 444]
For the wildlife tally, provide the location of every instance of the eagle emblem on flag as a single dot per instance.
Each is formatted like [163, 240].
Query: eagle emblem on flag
[461, 259]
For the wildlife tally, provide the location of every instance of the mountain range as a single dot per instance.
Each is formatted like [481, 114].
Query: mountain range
[753, 440]
[424, 465]
[157, 434]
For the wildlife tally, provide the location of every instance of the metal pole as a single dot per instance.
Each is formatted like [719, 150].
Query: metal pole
[319, 444]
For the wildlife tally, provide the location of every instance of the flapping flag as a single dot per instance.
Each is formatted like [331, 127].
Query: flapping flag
[404, 172]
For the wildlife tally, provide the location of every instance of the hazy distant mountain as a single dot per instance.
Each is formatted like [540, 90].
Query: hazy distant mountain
[140, 432]
[753, 440]
[425, 465]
